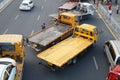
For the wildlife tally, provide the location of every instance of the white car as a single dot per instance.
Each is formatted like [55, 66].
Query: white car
[8, 69]
[26, 5]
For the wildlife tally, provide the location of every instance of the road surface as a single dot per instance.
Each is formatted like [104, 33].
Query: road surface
[93, 65]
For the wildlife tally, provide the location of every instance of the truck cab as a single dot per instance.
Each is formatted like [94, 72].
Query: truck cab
[114, 74]
[11, 45]
[85, 7]
[69, 18]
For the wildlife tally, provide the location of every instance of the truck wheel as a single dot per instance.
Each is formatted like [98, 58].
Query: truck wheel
[53, 68]
[69, 62]
[74, 60]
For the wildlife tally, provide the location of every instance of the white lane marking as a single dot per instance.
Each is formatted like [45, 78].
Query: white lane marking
[38, 18]
[45, 0]
[42, 7]
[95, 62]
[32, 32]
[5, 31]
[16, 17]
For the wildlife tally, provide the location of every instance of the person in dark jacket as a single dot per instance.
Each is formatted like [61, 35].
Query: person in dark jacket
[43, 26]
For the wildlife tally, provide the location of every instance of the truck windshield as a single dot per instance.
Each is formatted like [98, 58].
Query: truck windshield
[91, 8]
[7, 47]
[76, 19]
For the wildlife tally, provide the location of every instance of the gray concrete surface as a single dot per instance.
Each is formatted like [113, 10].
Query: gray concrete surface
[1, 1]
[114, 22]
[4, 4]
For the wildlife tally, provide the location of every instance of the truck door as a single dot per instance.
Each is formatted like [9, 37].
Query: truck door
[112, 76]
[90, 10]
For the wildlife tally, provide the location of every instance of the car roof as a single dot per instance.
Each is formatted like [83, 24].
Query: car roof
[7, 60]
[86, 4]
[12, 38]
[116, 46]
[26, 1]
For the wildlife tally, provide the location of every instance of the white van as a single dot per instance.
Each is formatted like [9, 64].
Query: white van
[112, 50]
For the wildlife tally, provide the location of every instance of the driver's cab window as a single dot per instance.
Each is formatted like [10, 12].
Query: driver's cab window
[112, 52]
[76, 19]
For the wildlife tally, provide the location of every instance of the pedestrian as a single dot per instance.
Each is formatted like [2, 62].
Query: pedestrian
[118, 7]
[97, 3]
[110, 5]
[116, 2]
[110, 0]
[94, 1]
[43, 26]
[110, 13]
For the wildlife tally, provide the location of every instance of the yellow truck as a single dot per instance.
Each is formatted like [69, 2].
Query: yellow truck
[66, 51]
[61, 29]
[11, 46]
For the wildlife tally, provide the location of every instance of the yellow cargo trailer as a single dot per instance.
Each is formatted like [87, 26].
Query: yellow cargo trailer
[67, 50]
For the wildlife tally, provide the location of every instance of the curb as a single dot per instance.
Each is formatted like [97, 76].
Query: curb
[109, 26]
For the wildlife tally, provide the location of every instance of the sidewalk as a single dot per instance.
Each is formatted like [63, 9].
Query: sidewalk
[114, 22]
[4, 4]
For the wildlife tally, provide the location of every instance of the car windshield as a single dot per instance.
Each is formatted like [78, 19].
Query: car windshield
[5, 63]
[118, 61]
[25, 4]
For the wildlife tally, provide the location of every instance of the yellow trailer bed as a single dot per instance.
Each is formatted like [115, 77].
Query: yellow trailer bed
[64, 51]
[19, 71]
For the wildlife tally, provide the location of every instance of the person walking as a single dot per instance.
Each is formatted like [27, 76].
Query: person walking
[94, 1]
[97, 3]
[118, 7]
[43, 26]
[110, 13]
[110, 5]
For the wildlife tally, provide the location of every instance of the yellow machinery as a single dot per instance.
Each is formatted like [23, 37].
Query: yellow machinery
[69, 18]
[42, 39]
[11, 45]
[67, 50]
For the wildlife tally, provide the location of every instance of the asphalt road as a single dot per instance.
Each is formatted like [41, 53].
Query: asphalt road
[93, 65]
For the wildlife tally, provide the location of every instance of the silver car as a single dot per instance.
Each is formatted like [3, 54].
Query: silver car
[26, 5]
[8, 69]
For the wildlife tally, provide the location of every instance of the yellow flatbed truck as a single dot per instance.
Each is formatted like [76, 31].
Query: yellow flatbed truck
[11, 45]
[54, 33]
[67, 50]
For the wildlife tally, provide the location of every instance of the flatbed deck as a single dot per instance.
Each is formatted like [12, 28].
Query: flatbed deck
[64, 51]
[69, 5]
[19, 71]
[46, 36]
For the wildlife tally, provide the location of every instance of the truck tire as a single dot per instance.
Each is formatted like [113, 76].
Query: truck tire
[74, 60]
[53, 68]
[69, 62]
